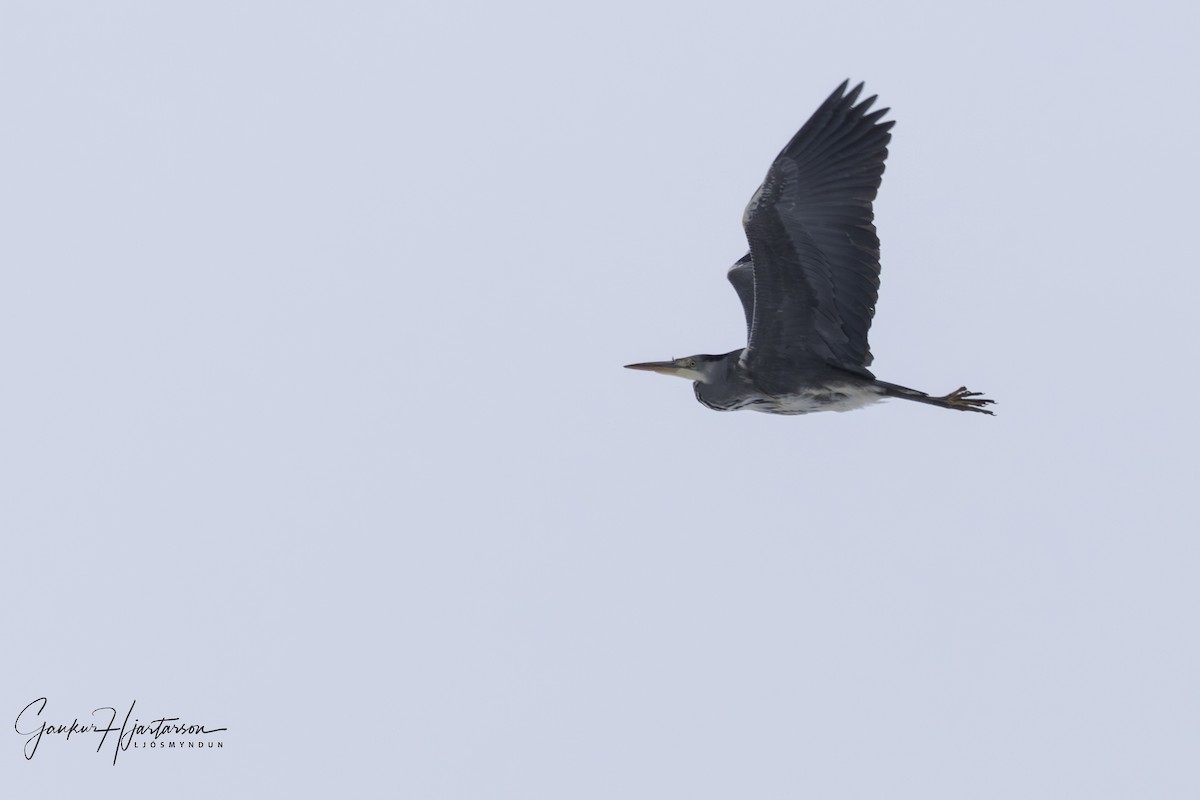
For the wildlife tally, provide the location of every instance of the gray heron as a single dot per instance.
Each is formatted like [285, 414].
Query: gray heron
[809, 283]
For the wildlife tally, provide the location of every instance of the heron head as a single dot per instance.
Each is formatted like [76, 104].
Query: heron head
[694, 368]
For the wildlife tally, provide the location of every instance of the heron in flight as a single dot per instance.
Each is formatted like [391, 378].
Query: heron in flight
[810, 281]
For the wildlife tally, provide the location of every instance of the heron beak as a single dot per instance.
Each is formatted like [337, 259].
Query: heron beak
[667, 368]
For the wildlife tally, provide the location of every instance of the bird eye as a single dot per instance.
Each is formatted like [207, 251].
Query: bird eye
[692, 363]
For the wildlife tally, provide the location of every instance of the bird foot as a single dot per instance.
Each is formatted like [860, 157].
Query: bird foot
[964, 400]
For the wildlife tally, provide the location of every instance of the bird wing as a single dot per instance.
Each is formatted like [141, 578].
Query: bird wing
[741, 275]
[813, 242]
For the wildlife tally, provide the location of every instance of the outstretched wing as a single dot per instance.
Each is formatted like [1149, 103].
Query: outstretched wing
[813, 242]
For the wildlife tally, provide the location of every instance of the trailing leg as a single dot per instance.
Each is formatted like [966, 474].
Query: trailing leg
[960, 399]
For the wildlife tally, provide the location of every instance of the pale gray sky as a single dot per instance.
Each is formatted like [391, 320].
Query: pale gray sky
[314, 424]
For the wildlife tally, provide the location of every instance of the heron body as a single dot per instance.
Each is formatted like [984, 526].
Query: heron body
[809, 284]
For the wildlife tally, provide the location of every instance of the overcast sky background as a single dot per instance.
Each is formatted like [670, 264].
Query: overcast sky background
[314, 424]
